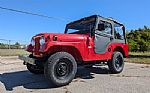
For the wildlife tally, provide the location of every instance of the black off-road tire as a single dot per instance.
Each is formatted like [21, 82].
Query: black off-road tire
[60, 69]
[35, 69]
[116, 64]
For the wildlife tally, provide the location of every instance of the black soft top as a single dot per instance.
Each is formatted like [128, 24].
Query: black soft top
[96, 16]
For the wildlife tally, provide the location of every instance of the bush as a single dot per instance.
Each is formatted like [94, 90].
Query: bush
[139, 40]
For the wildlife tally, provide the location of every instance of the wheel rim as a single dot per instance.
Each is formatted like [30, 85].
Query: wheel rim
[63, 68]
[118, 62]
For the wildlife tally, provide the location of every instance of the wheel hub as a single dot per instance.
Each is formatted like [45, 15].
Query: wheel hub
[118, 62]
[62, 69]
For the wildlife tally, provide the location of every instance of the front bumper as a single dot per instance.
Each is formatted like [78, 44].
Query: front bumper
[27, 59]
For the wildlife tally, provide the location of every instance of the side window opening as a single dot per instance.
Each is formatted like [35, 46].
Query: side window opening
[105, 27]
[118, 32]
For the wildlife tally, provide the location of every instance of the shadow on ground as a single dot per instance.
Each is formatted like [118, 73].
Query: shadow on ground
[30, 81]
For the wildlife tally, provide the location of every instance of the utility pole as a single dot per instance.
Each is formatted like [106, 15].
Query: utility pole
[9, 43]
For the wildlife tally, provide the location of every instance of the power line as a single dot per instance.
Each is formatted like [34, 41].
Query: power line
[40, 15]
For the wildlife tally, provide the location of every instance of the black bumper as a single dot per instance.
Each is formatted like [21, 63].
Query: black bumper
[27, 59]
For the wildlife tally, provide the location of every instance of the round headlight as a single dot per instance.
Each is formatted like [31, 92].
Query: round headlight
[42, 40]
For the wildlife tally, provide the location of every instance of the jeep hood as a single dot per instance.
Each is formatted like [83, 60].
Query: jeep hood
[65, 37]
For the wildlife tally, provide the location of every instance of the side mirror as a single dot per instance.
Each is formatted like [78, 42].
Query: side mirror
[101, 27]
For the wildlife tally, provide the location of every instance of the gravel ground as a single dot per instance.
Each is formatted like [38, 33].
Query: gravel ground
[15, 78]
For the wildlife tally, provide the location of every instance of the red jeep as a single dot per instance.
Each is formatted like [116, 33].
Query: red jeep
[90, 40]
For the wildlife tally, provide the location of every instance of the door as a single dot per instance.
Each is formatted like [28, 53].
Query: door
[103, 36]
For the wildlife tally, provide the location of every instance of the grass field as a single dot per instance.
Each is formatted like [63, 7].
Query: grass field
[12, 52]
[138, 57]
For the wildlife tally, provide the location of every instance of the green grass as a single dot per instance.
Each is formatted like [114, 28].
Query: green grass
[12, 52]
[140, 53]
[139, 57]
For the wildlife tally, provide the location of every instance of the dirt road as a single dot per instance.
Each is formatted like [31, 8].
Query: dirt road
[14, 78]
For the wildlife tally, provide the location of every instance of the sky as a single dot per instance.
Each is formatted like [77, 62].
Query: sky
[20, 27]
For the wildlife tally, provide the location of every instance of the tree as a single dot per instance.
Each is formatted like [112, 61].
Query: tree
[139, 40]
[17, 45]
[133, 46]
[2, 46]
[142, 45]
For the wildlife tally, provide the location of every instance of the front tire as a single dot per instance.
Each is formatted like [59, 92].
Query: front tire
[60, 68]
[35, 69]
[116, 64]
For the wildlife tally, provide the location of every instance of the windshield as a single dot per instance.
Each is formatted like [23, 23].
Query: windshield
[83, 26]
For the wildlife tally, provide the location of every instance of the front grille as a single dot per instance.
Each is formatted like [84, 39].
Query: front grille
[37, 45]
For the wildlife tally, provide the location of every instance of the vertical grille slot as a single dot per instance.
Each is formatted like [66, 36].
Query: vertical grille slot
[37, 45]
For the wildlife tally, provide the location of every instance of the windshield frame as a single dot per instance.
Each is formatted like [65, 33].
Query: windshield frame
[79, 21]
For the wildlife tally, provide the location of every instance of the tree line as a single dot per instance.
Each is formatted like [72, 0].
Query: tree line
[139, 39]
[12, 46]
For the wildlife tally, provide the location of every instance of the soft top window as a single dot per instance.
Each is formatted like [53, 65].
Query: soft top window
[118, 31]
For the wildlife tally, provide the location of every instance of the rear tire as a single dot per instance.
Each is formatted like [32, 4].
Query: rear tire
[35, 69]
[116, 64]
[60, 69]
